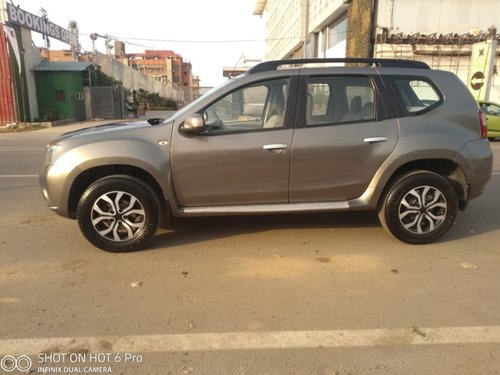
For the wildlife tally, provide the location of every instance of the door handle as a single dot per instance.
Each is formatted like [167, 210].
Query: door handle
[375, 140]
[276, 148]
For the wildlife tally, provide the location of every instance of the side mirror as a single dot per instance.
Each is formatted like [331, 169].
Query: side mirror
[154, 121]
[194, 124]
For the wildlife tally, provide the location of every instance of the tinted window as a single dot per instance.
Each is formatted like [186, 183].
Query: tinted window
[255, 107]
[417, 95]
[318, 95]
[333, 100]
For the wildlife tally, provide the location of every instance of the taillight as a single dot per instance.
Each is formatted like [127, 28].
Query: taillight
[483, 124]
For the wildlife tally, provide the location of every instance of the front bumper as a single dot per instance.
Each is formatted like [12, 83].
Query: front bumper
[54, 185]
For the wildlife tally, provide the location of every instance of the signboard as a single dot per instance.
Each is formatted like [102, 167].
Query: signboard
[481, 69]
[29, 21]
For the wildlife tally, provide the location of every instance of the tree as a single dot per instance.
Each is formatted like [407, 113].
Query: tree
[101, 79]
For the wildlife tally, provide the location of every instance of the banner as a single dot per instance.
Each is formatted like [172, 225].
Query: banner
[11, 35]
[29, 21]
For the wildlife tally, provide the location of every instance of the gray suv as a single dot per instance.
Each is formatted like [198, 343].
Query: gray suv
[388, 135]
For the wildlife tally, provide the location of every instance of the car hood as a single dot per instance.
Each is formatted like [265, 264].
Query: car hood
[106, 128]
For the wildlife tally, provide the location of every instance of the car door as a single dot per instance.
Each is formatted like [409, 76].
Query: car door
[242, 155]
[343, 136]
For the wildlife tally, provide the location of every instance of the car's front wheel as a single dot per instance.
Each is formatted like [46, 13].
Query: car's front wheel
[419, 207]
[118, 214]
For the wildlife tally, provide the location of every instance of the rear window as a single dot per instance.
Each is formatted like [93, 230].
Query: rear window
[417, 95]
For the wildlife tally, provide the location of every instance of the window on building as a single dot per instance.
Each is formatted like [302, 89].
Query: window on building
[86, 78]
[312, 46]
[337, 31]
[60, 95]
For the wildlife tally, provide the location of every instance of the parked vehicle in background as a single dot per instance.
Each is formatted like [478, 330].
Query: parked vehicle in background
[394, 136]
[492, 112]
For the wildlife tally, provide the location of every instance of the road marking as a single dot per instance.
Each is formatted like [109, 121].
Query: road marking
[256, 340]
[21, 149]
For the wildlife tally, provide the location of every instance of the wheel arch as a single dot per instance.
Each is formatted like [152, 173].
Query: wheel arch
[444, 167]
[91, 175]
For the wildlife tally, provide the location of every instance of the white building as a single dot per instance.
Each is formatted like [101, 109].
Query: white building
[298, 28]
[438, 32]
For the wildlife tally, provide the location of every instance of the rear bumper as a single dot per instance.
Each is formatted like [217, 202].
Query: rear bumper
[478, 166]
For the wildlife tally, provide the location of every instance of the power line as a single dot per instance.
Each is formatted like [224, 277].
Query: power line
[124, 38]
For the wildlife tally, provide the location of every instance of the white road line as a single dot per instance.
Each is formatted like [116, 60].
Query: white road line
[21, 149]
[256, 340]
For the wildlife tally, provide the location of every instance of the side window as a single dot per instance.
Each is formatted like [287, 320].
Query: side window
[417, 95]
[317, 99]
[256, 107]
[490, 109]
[360, 96]
[333, 100]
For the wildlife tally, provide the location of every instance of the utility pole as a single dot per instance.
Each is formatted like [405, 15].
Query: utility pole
[93, 37]
[75, 42]
[45, 17]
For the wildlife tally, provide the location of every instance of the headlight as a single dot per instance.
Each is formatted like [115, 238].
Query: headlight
[52, 148]
[54, 145]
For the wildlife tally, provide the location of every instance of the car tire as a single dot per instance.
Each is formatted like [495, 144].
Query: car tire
[419, 207]
[118, 214]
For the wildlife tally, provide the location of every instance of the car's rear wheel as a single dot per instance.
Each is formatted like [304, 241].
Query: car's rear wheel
[118, 214]
[419, 207]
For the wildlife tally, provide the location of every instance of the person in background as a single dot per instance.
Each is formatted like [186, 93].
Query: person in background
[129, 108]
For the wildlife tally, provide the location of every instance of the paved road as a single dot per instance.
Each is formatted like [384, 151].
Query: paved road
[302, 294]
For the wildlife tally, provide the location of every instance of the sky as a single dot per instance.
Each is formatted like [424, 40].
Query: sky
[209, 34]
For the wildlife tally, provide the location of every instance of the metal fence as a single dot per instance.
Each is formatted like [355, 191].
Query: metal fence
[107, 102]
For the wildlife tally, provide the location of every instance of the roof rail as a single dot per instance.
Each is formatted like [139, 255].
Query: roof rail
[391, 63]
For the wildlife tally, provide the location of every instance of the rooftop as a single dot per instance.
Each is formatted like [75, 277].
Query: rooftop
[62, 66]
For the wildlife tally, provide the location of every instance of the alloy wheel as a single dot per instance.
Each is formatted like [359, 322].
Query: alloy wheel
[422, 210]
[118, 216]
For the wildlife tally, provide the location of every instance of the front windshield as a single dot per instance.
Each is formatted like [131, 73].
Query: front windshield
[195, 102]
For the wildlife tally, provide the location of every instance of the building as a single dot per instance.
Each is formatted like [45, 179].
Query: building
[8, 113]
[196, 87]
[58, 55]
[438, 32]
[164, 65]
[60, 89]
[249, 59]
[304, 28]
[441, 33]
[31, 90]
